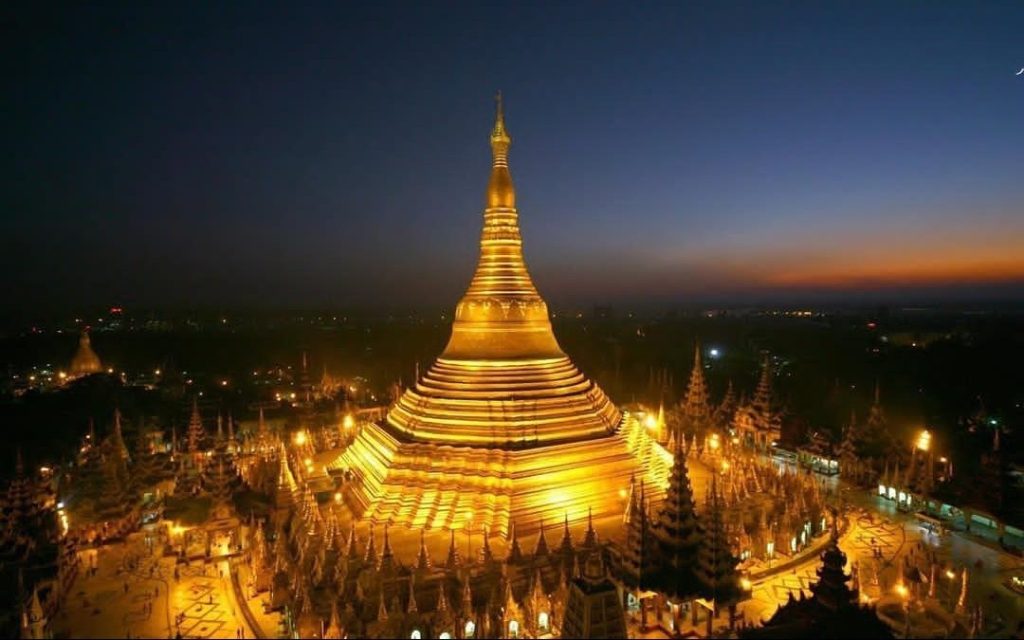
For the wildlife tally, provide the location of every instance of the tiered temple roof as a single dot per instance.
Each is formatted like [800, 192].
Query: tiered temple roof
[833, 606]
[696, 406]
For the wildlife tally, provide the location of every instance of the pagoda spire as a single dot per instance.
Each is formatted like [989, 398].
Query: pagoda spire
[831, 589]
[195, 428]
[500, 140]
[695, 407]
[515, 554]
[763, 393]
[565, 546]
[118, 435]
[453, 561]
[727, 408]
[387, 558]
[423, 559]
[590, 538]
[370, 559]
[717, 564]
[487, 554]
[467, 598]
[352, 548]
[635, 555]
[676, 532]
[542, 543]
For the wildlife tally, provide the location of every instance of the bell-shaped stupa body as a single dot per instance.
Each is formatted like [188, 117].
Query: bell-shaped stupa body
[502, 380]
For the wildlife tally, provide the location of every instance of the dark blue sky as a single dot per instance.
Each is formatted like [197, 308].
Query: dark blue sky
[336, 153]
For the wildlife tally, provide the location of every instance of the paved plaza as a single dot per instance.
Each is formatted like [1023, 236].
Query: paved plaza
[129, 590]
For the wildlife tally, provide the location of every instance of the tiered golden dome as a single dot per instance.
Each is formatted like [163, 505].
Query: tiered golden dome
[85, 361]
[502, 430]
[502, 380]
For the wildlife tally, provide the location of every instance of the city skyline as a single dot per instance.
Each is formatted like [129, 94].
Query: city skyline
[739, 154]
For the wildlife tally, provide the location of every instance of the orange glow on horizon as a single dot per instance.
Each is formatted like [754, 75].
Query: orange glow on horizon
[957, 254]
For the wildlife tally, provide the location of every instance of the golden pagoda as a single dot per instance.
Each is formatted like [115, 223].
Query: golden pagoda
[85, 361]
[502, 428]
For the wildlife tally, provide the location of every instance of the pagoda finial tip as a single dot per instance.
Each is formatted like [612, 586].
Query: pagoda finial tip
[500, 134]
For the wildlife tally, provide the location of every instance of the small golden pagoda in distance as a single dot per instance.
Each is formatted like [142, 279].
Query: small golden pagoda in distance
[86, 361]
[502, 430]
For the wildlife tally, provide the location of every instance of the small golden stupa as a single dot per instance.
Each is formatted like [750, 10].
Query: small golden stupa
[503, 428]
[85, 361]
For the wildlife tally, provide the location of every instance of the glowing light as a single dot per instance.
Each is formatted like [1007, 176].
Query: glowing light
[714, 353]
[713, 442]
[558, 497]
[110, 370]
[308, 462]
[745, 584]
[337, 497]
[622, 494]
[223, 383]
[62, 375]
[651, 422]
[300, 438]
[725, 465]
[901, 590]
[348, 422]
[292, 395]
[924, 440]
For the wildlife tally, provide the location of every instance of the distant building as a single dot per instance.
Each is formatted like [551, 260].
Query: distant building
[757, 423]
[85, 362]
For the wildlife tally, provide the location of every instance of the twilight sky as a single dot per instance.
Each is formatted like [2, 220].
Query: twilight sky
[337, 153]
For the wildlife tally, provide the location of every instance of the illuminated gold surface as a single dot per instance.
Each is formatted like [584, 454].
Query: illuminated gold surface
[85, 361]
[424, 485]
[502, 380]
[502, 428]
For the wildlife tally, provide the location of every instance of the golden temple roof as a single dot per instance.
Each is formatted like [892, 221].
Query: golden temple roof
[85, 361]
[502, 380]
